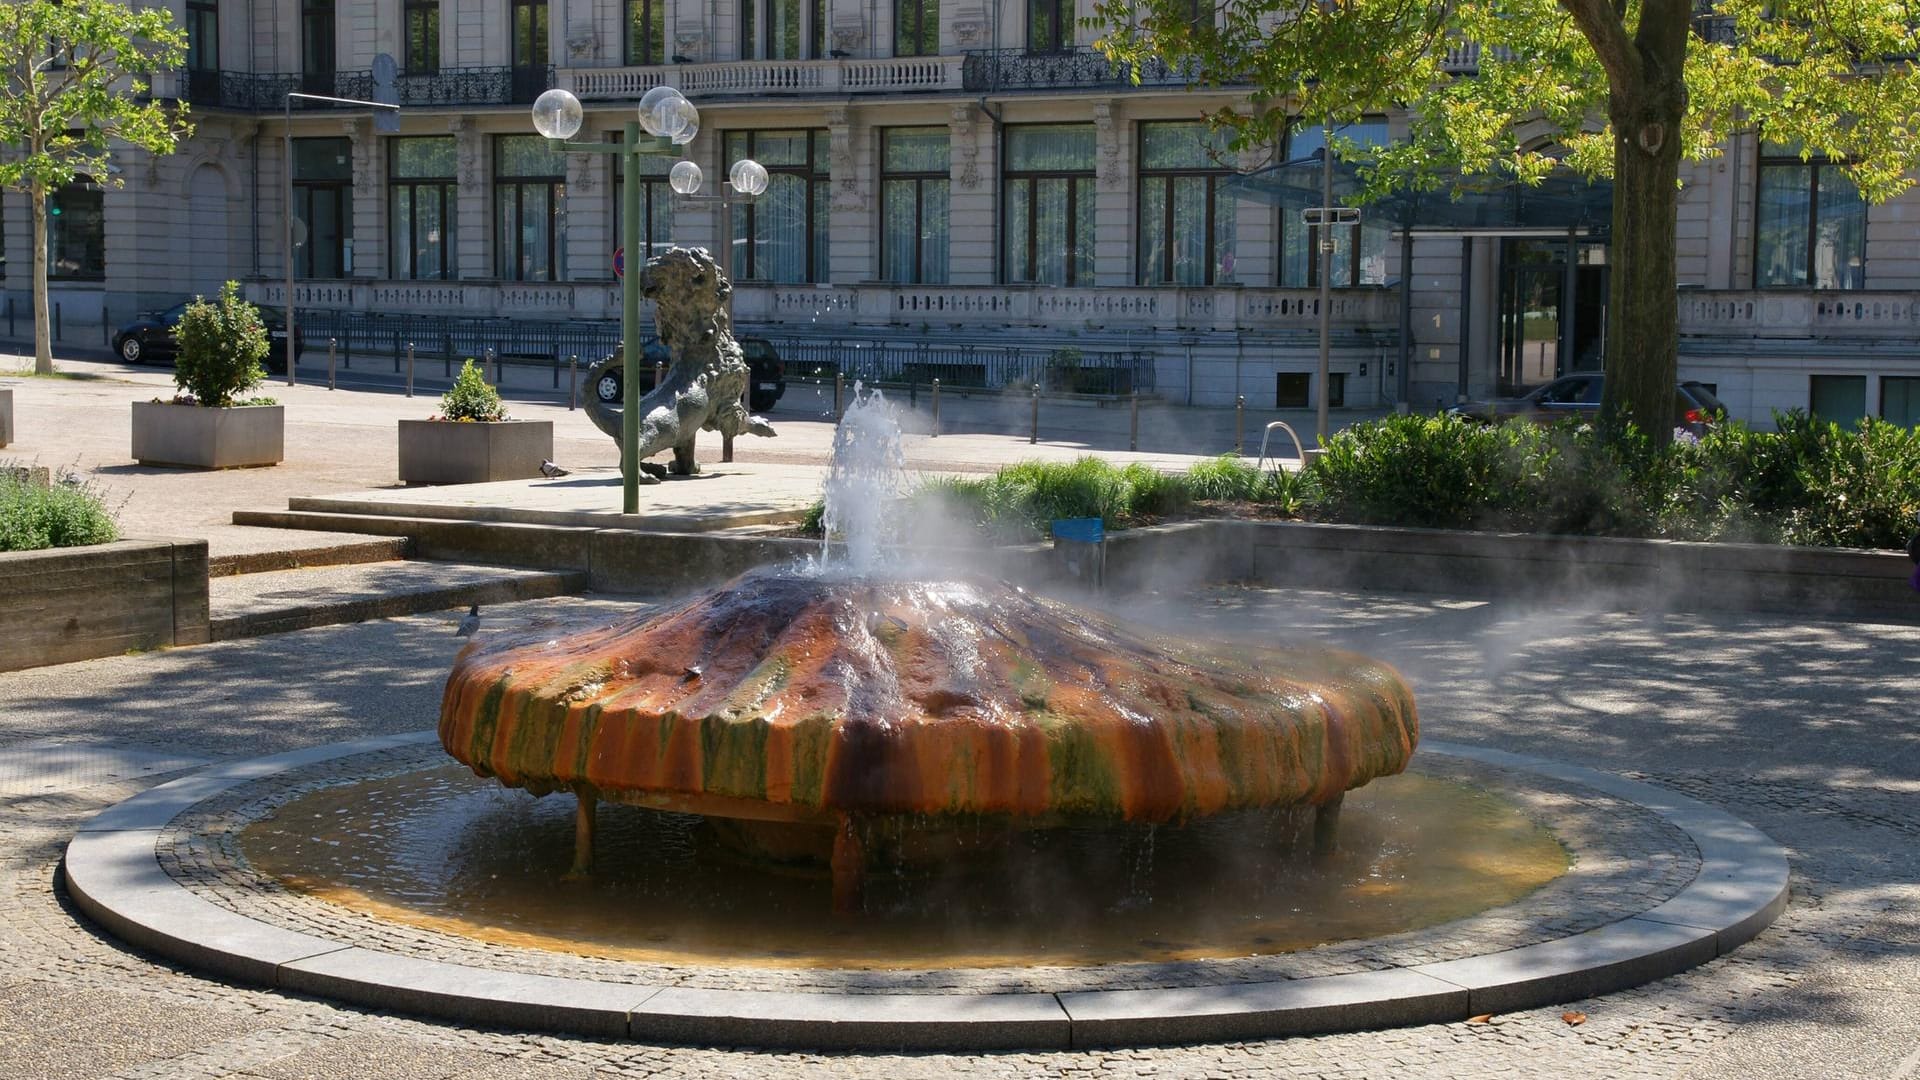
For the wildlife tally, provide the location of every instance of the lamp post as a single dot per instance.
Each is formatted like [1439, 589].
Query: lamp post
[286, 224]
[671, 120]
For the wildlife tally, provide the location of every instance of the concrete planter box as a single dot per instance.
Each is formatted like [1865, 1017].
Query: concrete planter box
[6, 415]
[77, 603]
[455, 452]
[199, 437]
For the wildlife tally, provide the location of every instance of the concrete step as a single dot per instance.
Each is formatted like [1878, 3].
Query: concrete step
[338, 551]
[275, 601]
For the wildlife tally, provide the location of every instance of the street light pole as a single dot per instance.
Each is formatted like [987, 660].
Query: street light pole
[1326, 277]
[630, 321]
[286, 218]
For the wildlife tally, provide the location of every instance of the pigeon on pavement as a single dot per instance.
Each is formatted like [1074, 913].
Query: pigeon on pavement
[549, 470]
[469, 624]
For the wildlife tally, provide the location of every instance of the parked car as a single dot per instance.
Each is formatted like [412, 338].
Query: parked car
[1695, 409]
[766, 373]
[149, 339]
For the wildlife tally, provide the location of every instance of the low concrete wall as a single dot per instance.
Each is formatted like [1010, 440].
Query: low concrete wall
[1602, 571]
[1562, 570]
[67, 604]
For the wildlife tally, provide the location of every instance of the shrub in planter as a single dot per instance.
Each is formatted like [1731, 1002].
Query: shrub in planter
[221, 346]
[472, 441]
[65, 514]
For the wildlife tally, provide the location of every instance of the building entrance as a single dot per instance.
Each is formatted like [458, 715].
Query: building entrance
[1553, 317]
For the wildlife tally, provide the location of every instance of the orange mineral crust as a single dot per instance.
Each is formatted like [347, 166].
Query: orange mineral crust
[792, 697]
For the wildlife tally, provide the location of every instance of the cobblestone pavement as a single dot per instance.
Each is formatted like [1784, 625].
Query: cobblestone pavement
[1809, 730]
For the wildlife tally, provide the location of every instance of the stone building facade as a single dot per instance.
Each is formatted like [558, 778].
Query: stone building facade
[951, 171]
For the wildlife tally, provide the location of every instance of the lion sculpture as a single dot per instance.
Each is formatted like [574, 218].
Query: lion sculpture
[706, 382]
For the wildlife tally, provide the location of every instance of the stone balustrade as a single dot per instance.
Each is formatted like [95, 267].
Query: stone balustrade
[780, 77]
[1799, 313]
[1104, 307]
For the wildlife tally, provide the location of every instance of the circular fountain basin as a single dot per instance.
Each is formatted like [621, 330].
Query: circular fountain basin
[1659, 883]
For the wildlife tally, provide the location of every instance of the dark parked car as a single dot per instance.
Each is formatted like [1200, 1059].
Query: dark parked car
[149, 338]
[1578, 396]
[766, 373]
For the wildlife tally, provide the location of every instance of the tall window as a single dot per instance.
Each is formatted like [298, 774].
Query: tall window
[77, 232]
[914, 181]
[1811, 225]
[782, 235]
[316, 45]
[1839, 398]
[916, 27]
[646, 31]
[203, 35]
[775, 29]
[656, 205]
[528, 26]
[529, 208]
[1049, 25]
[1186, 230]
[423, 193]
[1900, 400]
[322, 207]
[1047, 196]
[423, 36]
[1300, 243]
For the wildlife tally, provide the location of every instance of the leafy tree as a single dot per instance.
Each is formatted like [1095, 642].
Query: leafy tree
[72, 75]
[1620, 88]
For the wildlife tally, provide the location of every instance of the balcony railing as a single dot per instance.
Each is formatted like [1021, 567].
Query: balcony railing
[905, 74]
[1106, 307]
[1005, 70]
[246, 92]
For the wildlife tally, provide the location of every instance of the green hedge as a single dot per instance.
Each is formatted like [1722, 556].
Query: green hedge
[1810, 483]
[34, 517]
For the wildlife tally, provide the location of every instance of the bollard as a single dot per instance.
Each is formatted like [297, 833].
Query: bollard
[1034, 435]
[1239, 422]
[56, 322]
[487, 361]
[839, 384]
[446, 355]
[396, 354]
[660, 376]
[936, 408]
[726, 447]
[409, 369]
[1133, 427]
[105, 326]
[331, 344]
[9, 316]
[573, 382]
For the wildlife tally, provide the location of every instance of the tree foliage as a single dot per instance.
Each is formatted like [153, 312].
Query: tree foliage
[74, 75]
[1620, 88]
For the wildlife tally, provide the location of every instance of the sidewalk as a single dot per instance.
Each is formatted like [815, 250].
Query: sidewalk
[345, 440]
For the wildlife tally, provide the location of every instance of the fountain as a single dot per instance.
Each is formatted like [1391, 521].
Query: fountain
[854, 711]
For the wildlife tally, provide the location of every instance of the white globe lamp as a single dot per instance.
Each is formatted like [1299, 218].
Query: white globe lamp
[684, 177]
[748, 177]
[557, 114]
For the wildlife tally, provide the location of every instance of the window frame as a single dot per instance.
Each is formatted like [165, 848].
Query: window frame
[1141, 174]
[449, 198]
[756, 27]
[319, 45]
[556, 185]
[86, 184]
[817, 175]
[205, 14]
[340, 191]
[428, 13]
[656, 192]
[1009, 175]
[1355, 232]
[1789, 160]
[1060, 22]
[649, 11]
[925, 40]
[919, 178]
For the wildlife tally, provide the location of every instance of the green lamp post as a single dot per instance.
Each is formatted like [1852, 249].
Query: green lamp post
[671, 121]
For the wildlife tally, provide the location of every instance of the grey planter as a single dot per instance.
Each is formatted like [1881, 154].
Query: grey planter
[454, 452]
[197, 437]
[6, 415]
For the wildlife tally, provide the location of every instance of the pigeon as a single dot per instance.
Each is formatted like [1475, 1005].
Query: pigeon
[469, 624]
[549, 470]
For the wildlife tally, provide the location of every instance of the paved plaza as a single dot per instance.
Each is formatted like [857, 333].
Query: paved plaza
[1808, 729]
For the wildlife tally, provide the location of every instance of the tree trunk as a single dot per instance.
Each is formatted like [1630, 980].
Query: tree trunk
[1643, 311]
[42, 320]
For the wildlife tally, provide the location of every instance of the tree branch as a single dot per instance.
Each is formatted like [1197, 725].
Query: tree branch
[1608, 36]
